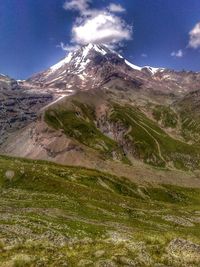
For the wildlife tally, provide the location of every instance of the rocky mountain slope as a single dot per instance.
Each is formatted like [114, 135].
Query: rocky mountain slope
[18, 105]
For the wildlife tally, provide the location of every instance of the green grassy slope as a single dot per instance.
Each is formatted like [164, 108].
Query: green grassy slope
[185, 120]
[190, 123]
[140, 136]
[152, 143]
[78, 122]
[53, 215]
[189, 112]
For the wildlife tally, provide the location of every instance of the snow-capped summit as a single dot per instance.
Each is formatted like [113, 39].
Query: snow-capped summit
[79, 57]
[83, 52]
[98, 48]
[82, 57]
[92, 66]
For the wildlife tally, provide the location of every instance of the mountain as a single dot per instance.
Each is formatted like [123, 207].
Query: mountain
[100, 165]
[107, 112]
[94, 66]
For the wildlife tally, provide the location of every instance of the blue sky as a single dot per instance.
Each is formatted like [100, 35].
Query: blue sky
[161, 33]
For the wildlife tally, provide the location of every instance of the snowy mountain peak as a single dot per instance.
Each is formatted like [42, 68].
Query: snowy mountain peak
[104, 50]
[98, 48]
[81, 57]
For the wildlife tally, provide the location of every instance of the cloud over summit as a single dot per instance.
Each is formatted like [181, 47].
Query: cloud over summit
[104, 26]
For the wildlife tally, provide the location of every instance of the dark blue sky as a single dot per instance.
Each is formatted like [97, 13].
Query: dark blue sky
[30, 31]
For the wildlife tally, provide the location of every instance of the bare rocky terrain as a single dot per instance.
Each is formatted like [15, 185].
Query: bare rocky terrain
[18, 105]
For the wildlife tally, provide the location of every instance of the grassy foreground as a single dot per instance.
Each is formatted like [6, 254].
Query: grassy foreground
[52, 215]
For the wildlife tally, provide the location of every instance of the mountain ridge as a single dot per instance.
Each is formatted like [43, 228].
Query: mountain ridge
[103, 109]
[94, 66]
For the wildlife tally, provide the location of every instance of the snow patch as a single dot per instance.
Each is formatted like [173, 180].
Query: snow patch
[100, 50]
[153, 70]
[56, 79]
[135, 67]
[119, 55]
[62, 62]
[20, 81]
[97, 48]
[81, 77]
[57, 100]
[81, 65]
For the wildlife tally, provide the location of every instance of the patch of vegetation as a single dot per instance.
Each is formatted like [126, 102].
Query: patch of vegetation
[21, 261]
[190, 127]
[166, 116]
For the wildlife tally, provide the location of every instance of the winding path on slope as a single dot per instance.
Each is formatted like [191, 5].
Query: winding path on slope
[157, 143]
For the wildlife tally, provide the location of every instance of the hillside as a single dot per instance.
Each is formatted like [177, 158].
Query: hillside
[97, 128]
[53, 215]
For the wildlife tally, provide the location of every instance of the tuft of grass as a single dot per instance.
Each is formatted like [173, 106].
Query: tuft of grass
[2, 245]
[21, 260]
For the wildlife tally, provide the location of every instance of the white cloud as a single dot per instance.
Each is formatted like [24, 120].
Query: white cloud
[98, 26]
[116, 8]
[68, 48]
[178, 53]
[144, 55]
[79, 5]
[194, 41]
[103, 28]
